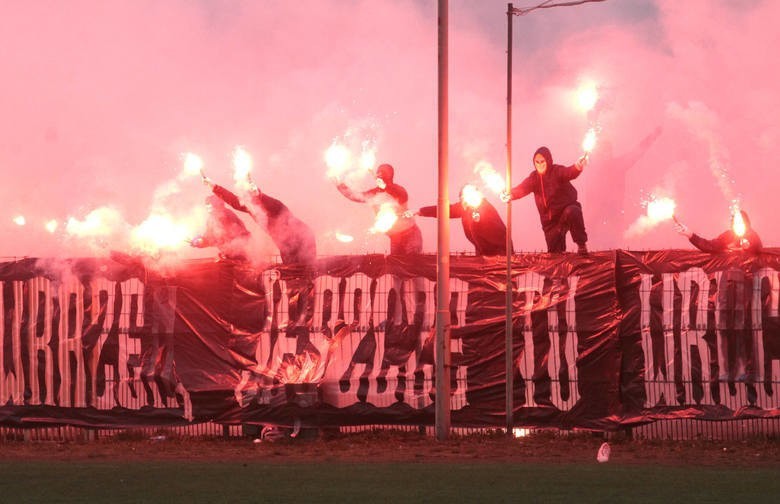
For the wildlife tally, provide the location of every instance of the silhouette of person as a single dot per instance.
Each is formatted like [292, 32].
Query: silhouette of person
[294, 239]
[556, 200]
[224, 230]
[405, 236]
[481, 222]
[606, 212]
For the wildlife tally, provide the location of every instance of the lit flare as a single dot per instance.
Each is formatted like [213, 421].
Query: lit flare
[338, 158]
[385, 219]
[344, 238]
[193, 164]
[472, 196]
[738, 224]
[159, 232]
[660, 209]
[587, 96]
[19, 220]
[242, 168]
[589, 142]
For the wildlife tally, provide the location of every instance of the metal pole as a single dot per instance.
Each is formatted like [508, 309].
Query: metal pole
[508, 340]
[443, 250]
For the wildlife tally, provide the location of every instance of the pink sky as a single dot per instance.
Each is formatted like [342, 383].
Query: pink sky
[99, 100]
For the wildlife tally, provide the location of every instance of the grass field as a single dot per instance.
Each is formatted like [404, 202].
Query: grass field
[338, 482]
[388, 466]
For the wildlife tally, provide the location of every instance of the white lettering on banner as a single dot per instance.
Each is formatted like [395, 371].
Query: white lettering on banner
[72, 389]
[532, 285]
[659, 376]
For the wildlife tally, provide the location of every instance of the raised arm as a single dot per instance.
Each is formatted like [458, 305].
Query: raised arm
[360, 197]
[230, 198]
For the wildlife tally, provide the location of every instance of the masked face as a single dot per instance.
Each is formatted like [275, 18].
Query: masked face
[540, 164]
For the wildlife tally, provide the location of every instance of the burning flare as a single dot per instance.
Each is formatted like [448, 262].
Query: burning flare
[385, 218]
[344, 238]
[242, 167]
[660, 209]
[472, 196]
[490, 177]
[338, 159]
[738, 224]
[159, 232]
[19, 220]
[589, 142]
[587, 96]
[193, 164]
[51, 226]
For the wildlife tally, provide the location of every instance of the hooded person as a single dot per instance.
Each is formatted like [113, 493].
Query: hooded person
[481, 222]
[405, 236]
[556, 200]
[294, 239]
[737, 356]
[405, 239]
[744, 237]
[224, 230]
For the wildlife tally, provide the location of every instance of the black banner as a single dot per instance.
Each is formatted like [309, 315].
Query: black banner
[602, 341]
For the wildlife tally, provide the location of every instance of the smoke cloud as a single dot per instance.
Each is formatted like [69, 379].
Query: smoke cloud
[100, 101]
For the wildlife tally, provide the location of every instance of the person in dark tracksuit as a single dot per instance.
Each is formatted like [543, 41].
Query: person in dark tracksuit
[224, 230]
[556, 200]
[748, 240]
[291, 235]
[481, 223]
[405, 236]
[737, 353]
[402, 329]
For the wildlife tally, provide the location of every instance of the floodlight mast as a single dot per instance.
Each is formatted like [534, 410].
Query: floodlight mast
[442, 404]
[509, 360]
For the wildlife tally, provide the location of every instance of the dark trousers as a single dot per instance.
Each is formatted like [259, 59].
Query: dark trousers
[406, 242]
[571, 220]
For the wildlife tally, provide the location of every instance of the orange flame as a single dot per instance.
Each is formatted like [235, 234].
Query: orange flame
[660, 209]
[159, 232]
[338, 159]
[589, 142]
[344, 238]
[302, 369]
[385, 218]
[472, 196]
[193, 164]
[738, 224]
[587, 96]
[242, 167]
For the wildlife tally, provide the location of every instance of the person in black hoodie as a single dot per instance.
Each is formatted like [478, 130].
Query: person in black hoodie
[224, 230]
[727, 240]
[737, 357]
[291, 235]
[556, 200]
[481, 223]
[405, 236]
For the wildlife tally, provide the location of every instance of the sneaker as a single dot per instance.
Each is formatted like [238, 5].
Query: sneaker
[582, 249]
